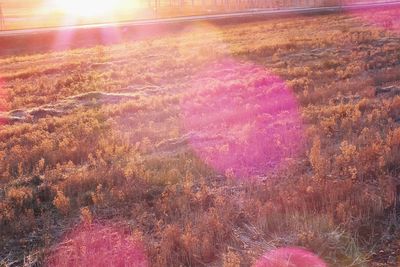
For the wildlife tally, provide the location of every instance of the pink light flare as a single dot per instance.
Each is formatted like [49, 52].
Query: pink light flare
[111, 35]
[242, 119]
[4, 105]
[98, 245]
[385, 18]
[70, 37]
[290, 257]
[63, 40]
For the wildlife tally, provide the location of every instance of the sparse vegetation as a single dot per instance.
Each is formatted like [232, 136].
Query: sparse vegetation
[82, 166]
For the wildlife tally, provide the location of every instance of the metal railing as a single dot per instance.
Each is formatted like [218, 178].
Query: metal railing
[213, 6]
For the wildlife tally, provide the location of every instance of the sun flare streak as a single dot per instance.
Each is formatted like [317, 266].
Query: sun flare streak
[87, 8]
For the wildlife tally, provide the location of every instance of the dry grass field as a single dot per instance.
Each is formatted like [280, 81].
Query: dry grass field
[208, 147]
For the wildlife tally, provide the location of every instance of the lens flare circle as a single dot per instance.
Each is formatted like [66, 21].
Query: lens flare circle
[99, 245]
[242, 119]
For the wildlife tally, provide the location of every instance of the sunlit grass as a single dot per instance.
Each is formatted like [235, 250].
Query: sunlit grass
[108, 159]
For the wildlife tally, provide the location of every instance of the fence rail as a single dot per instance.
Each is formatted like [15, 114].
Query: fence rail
[245, 5]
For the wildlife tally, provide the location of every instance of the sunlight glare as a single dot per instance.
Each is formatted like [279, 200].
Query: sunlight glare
[87, 8]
